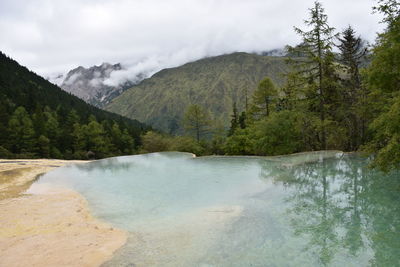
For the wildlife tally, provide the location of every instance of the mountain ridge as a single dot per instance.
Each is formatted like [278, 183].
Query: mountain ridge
[161, 99]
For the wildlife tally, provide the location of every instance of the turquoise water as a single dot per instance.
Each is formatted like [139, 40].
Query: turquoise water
[312, 209]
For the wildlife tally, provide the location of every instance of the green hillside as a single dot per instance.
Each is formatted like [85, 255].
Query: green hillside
[214, 83]
[38, 119]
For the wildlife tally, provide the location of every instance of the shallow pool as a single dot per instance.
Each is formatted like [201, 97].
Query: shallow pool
[311, 209]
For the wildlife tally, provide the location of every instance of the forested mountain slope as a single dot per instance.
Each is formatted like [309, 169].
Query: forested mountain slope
[37, 118]
[214, 83]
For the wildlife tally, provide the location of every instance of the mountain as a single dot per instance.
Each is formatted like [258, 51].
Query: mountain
[39, 119]
[279, 52]
[215, 83]
[89, 83]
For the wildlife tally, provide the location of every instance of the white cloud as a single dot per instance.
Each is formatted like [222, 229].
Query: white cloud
[147, 35]
[72, 78]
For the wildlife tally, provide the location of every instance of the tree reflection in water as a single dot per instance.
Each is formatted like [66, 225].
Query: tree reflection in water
[342, 206]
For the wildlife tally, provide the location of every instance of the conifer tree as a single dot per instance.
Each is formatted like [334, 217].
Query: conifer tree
[96, 139]
[79, 144]
[352, 52]
[43, 146]
[234, 120]
[315, 64]
[127, 143]
[22, 132]
[196, 121]
[242, 119]
[264, 98]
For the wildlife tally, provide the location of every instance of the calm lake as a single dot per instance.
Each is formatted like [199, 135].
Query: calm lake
[311, 209]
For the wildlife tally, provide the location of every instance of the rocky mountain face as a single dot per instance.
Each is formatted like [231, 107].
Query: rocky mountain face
[214, 83]
[89, 84]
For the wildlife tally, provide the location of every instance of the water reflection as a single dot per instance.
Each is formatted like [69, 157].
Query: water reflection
[311, 209]
[342, 207]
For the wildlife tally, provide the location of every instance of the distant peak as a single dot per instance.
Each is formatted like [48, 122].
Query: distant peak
[105, 65]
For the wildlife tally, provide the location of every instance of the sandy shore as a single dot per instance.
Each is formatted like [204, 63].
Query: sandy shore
[54, 228]
[16, 176]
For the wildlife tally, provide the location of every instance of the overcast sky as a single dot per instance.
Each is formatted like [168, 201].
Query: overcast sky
[51, 36]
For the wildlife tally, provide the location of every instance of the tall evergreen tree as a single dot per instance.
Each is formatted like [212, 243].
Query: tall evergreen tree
[242, 119]
[316, 64]
[127, 143]
[43, 146]
[22, 132]
[79, 147]
[352, 53]
[234, 120]
[96, 139]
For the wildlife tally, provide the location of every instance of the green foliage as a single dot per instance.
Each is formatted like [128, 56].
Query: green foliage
[390, 9]
[384, 83]
[278, 134]
[354, 94]
[43, 146]
[240, 143]
[96, 139]
[186, 144]
[234, 120]
[196, 121]
[387, 138]
[4, 153]
[154, 142]
[264, 98]
[21, 131]
[242, 120]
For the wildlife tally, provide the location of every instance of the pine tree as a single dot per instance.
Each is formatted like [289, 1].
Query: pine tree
[96, 139]
[264, 98]
[79, 143]
[51, 127]
[316, 64]
[22, 132]
[242, 120]
[197, 121]
[352, 52]
[43, 146]
[127, 143]
[234, 120]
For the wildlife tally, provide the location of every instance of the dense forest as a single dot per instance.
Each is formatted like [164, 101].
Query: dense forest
[330, 100]
[38, 119]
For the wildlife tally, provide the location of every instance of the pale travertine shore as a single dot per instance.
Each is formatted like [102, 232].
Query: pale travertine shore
[53, 228]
